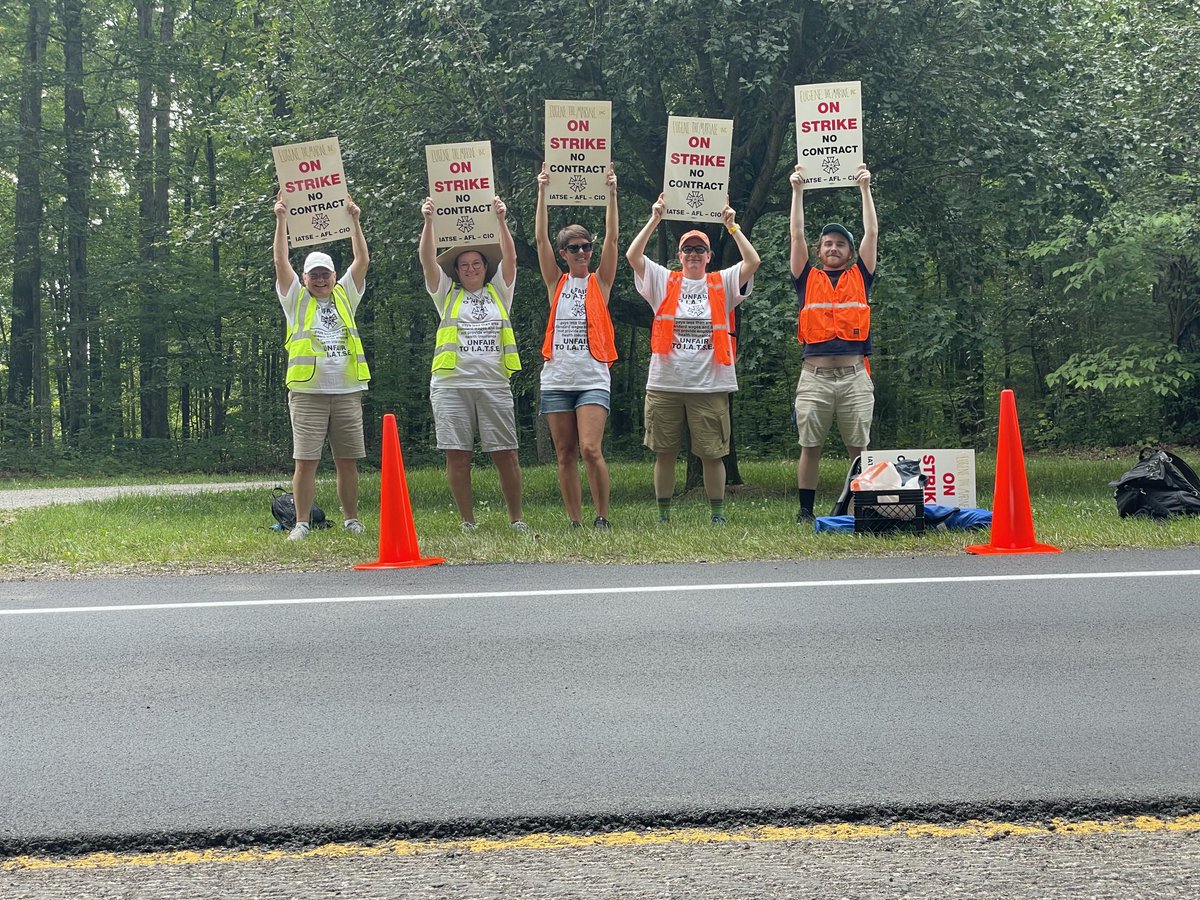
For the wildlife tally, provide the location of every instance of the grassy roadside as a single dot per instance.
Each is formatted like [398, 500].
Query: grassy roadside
[228, 531]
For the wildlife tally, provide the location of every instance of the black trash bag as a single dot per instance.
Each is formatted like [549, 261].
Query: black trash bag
[283, 508]
[1161, 485]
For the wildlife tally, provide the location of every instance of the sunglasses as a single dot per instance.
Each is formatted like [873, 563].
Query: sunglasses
[579, 248]
[693, 250]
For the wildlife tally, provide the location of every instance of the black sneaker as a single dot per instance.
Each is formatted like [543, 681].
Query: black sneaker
[805, 517]
[602, 523]
[575, 525]
[718, 519]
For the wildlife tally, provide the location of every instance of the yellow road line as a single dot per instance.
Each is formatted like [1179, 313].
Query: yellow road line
[618, 839]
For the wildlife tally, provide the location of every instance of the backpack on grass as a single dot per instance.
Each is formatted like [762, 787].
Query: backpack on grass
[283, 508]
[1159, 486]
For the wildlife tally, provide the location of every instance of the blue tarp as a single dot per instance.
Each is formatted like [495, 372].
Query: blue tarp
[950, 517]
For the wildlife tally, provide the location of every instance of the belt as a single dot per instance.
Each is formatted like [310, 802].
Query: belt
[834, 371]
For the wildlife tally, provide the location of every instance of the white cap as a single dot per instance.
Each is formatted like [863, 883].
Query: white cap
[318, 260]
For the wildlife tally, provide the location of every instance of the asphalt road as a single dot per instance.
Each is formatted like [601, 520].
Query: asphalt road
[428, 702]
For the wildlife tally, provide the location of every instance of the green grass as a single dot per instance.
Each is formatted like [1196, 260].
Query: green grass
[222, 532]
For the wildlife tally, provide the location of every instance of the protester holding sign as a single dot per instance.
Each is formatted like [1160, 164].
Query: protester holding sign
[474, 358]
[326, 371]
[692, 353]
[835, 328]
[578, 350]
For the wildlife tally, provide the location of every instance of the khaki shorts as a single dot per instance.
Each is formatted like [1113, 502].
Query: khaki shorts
[315, 416]
[706, 415]
[842, 391]
[461, 413]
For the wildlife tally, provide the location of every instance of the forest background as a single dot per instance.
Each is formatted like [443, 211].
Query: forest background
[1034, 167]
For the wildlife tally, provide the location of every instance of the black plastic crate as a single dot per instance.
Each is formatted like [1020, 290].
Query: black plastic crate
[879, 512]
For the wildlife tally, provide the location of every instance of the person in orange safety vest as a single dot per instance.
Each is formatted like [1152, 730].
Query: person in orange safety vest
[692, 350]
[578, 350]
[834, 325]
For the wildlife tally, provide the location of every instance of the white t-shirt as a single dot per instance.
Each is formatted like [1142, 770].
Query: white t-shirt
[336, 371]
[690, 367]
[572, 366]
[479, 322]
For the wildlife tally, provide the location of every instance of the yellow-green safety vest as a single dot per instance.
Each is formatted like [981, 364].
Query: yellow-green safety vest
[445, 354]
[303, 349]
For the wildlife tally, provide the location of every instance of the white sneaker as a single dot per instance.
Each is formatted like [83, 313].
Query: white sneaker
[300, 532]
[518, 525]
[354, 526]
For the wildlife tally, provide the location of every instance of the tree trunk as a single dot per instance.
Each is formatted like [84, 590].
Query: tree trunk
[77, 165]
[153, 113]
[218, 388]
[26, 335]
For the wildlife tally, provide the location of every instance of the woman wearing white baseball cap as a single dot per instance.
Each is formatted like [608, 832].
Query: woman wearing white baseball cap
[327, 370]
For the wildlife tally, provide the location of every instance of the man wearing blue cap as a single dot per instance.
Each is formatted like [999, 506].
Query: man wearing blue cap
[835, 328]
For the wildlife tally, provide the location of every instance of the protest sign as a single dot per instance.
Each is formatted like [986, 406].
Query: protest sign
[696, 174]
[462, 186]
[950, 474]
[314, 188]
[578, 150]
[829, 140]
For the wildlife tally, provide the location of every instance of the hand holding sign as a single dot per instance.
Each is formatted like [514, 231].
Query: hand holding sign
[797, 179]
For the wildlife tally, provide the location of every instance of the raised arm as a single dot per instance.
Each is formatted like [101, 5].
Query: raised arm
[868, 249]
[750, 259]
[637, 248]
[426, 251]
[547, 261]
[508, 248]
[799, 247]
[285, 275]
[606, 272]
[358, 244]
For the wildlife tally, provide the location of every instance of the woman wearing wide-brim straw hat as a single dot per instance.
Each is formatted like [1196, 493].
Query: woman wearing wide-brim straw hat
[474, 357]
[577, 350]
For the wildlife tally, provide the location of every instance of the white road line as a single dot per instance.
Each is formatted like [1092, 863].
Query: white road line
[583, 592]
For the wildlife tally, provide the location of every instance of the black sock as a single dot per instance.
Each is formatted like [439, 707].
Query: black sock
[807, 499]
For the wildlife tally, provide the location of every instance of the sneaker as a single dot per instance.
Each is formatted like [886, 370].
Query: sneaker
[299, 532]
[602, 523]
[354, 526]
[575, 525]
[718, 519]
[518, 525]
[468, 527]
[805, 517]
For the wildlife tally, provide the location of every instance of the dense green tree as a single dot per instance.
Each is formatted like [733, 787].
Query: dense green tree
[1034, 169]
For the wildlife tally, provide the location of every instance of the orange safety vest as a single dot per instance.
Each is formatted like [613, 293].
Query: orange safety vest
[601, 343]
[834, 312]
[662, 334]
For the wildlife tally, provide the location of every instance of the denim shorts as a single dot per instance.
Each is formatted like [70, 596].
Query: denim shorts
[569, 401]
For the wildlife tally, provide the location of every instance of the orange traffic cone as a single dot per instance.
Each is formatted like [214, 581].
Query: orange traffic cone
[397, 533]
[1012, 518]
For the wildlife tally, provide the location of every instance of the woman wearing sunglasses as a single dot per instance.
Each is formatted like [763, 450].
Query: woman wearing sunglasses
[578, 350]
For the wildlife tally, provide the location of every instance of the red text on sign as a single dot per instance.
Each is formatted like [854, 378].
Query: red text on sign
[696, 159]
[816, 125]
[462, 184]
[574, 143]
[312, 184]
